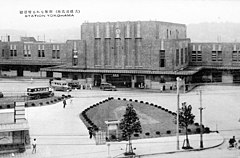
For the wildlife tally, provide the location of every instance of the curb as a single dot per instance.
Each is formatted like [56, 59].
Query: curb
[172, 152]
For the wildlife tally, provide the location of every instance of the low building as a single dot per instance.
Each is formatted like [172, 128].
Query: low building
[14, 129]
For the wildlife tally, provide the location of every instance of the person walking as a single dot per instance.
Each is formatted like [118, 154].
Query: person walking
[64, 103]
[34, 144]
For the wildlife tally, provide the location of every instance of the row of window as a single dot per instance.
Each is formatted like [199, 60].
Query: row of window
[180, 53]
[27, 53]
[216, 56]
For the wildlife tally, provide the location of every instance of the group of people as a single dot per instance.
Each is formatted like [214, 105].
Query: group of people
[233, 143]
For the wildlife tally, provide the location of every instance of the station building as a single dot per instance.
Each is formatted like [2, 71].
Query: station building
[127, 54]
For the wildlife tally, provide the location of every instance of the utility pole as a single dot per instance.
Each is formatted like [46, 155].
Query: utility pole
[201, 129]
[178, 98]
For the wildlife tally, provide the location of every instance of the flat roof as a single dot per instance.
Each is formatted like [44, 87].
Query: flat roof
[14, 127]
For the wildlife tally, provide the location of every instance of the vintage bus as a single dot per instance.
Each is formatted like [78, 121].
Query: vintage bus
[39, 92]
[60, 85]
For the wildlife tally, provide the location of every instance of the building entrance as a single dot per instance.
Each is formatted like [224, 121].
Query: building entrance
[139, 82]
[119, 80]
[97, 80]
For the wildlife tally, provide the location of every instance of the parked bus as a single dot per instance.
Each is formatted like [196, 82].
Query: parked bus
[60, 85]
[39, 92]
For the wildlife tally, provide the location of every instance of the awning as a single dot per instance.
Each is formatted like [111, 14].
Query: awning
[120, 71]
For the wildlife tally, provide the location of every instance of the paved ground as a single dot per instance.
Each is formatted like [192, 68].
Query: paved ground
[60, 132]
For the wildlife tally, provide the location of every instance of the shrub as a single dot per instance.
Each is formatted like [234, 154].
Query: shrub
[147, 134]
[0, 107]
[69, 96]
[151, 104]
[8, 106]
[113, 137]
[146, 103]
[189, 130]
[130, 99]
[40, 103]
[179, 131]
[63, 95]
[198, 130]
[33, 104]
[141, 101]
[136, 100]
[59, 99]
[136, 135]
[196, 124]
[156, 106]
[55, 100]
[168, 132]
[124, 99]
[47, 102]
[207, 130]
[157, 133]
[51, 101]
[119, 98]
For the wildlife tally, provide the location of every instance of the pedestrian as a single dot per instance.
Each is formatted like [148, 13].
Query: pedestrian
[64, 103]
[34, 144]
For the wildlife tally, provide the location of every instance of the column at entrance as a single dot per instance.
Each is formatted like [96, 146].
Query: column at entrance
[103, 78]
[133, 81]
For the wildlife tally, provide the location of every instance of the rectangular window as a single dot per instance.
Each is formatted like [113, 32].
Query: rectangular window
[234, 56]
[3, 53]
[28, 51]
[25, 51]
[239, 56]
[219, 55]
[162, 58]
[43, 53]
[53, 54]
[39, 53]
[177, 57]
[15, 52]
[186, 55]
[214, 56]
[58, 54]
[194, 56]
[182, 56]
[199, 55]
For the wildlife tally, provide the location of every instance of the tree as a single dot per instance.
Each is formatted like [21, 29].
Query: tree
[186, 118]
[129, 125]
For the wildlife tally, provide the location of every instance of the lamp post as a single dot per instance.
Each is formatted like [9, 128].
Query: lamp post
[108, 145]
[201, 128]
[178, 98]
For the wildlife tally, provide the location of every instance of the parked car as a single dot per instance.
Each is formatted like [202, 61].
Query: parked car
[107, 87]
[1, 95]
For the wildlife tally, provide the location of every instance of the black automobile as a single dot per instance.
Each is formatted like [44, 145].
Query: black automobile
[1, 95]
[107, 87]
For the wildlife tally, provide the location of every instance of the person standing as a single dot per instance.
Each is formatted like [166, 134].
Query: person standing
[34, 144]
[64, 103]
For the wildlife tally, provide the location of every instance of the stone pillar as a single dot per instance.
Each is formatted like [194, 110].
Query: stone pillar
[133, 81]
[103, 78]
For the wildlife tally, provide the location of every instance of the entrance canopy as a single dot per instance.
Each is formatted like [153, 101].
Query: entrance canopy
[66, 68]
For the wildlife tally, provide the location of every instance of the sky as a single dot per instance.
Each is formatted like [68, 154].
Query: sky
[177, 11]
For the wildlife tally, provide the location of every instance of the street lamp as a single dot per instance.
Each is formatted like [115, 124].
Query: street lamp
[108, 145]
[201, 128]
[178, 98]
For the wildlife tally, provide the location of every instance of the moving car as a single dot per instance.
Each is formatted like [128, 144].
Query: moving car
[107, 87]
